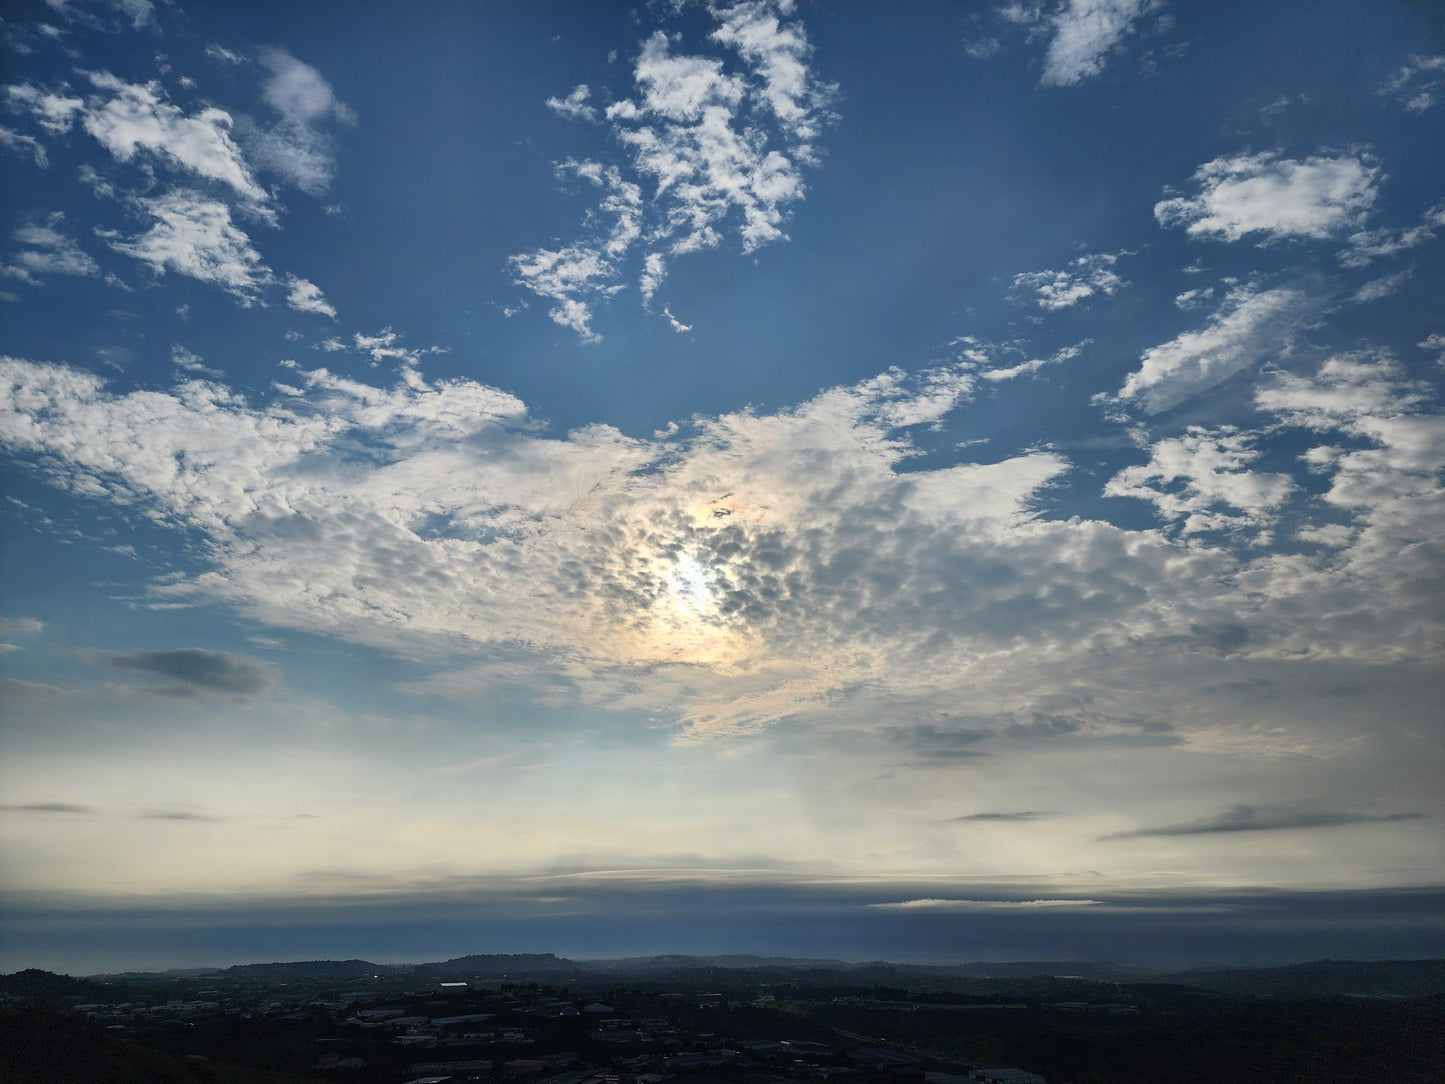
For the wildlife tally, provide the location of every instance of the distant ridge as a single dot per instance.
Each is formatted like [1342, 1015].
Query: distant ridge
[1321, 978]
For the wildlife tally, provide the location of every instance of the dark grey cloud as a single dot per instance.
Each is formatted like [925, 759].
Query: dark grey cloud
[1022, 815]
[1045, 725]
[46, 807]
[1253, 818]
[91, 811]
[14, 689]
[941, 743]
[197, 669]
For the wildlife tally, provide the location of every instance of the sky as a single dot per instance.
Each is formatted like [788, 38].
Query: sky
[933, 482]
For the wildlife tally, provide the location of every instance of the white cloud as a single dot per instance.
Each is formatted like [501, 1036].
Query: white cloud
[305, 296]
[21, 626]
[586, 270]
[54, 112]
[561, 275]
[982, 48]
[778, 53]
[298, 92]
[297, 145]
[1280, 198]
[574, 106]
[1085, 33]
[1434, 342]
[654, 273]
[224, 55]
[1382, 451]
[12, 140]
[47, 250]
[193, 235]
[191, 362]
[385, 346]
[102, 14]
[755, 566]
[1250, 326]
[1201, 480]
[1192, 299]
[140, 12]
[677, 325]
[130, 117]
[498, 526]
[1383, 286]
[1367, 246]
[983, 359]
[1419, 84]
[1082, 279]
[719, 153]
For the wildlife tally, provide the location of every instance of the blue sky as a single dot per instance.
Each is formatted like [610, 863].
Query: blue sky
[960, 459]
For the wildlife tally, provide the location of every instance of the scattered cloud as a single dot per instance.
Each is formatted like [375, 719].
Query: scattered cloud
[384, 346]
[1202, 481]
[1252, 818]
[191, 362]
[131, 118]
[709, 153]
[46, 249]
[305, 296]
[1006, 818]
[109, 16]
[574, 106]
[1250, 326]
[14, 141]
[1193, 299]
[999, 373]
[586, 270]
[1419, 85]
[54, 111]
[297, 145]
[223, 55]
[1280, 198]
[1382, 287]
[1083, 278]
[193, 235]
[1083, 35]
[21, 626]
[1270, 113]
[1367, 246]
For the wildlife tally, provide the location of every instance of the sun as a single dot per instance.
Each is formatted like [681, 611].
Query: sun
[691, 587]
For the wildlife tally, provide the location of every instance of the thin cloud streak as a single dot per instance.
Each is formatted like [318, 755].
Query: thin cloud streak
[1248, 818]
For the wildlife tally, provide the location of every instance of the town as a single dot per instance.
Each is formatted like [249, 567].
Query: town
[544, 1020]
